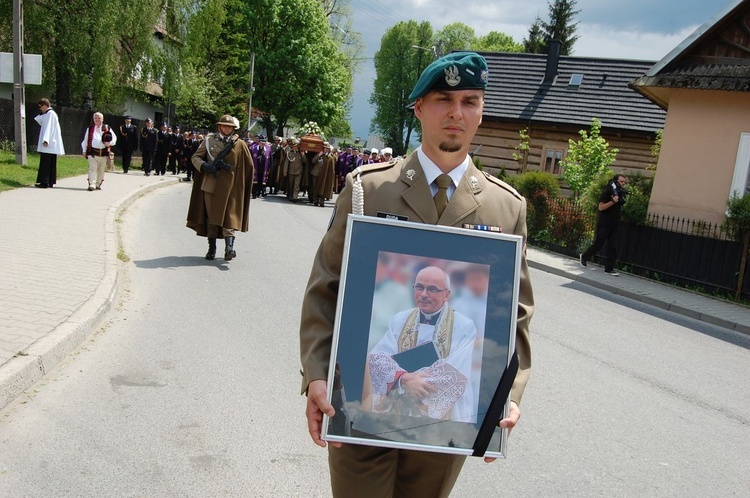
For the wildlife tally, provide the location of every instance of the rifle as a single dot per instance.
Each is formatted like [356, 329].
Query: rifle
[218, 161]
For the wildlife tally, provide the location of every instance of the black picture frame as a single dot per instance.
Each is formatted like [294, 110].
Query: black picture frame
[381, 260]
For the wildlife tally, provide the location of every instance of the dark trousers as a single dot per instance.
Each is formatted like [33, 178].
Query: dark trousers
[317, 199]
[148, 161]
[127, 155]
[174, 163]
[160, 163]
[609, 235]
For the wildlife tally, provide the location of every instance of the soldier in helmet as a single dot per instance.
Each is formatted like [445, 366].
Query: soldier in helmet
[220, 199]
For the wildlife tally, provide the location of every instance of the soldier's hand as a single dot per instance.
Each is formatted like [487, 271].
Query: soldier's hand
[317, 405]
[514, 413]
[208, 168]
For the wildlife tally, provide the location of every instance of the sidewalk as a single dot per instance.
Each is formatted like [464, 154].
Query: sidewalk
[58, 276]
[59, 270]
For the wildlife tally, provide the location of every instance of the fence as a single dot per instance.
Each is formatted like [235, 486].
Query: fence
[678, 251]
[73, 123]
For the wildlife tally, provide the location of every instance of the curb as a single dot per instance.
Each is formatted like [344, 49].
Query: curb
[21, 372]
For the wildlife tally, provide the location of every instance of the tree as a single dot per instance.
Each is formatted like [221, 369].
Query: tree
[560, 27]
[495, 41]
[398, 66]
[534, 43]
[454, 36]
[587, 159]
[299, 71]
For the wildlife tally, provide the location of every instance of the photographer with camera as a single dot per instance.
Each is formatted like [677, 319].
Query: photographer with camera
[608, 223]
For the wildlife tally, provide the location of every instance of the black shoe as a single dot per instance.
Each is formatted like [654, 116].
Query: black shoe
[91, 188]
[613, 273]
[40, 185]
[211, 254]
[229, 252]
[581, 260]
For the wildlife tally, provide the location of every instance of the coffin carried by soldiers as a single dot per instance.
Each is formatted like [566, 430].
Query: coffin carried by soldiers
[311, 142]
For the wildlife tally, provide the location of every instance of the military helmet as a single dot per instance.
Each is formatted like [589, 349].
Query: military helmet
[228, 120]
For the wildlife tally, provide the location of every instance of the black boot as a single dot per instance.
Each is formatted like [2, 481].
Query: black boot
[211, 254]
[229, 252]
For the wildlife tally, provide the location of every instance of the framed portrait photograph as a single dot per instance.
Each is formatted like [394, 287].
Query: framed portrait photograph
[424, 333]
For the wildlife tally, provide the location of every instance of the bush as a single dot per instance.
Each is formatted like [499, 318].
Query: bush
[540, 190]
[569, 226]
[635, 209]
[737, 224]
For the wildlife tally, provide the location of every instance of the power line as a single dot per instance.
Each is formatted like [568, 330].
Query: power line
[384, 15]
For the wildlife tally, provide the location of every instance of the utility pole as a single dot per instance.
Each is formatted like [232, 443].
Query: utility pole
[252, 89]
[19, 95]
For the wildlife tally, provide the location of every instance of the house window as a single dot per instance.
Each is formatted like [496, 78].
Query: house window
[552, 158]
[741, 177]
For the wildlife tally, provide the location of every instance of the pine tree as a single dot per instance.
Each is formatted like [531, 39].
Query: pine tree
[561, 26]
[535, 43]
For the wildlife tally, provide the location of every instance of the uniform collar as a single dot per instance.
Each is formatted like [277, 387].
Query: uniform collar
[432, 171]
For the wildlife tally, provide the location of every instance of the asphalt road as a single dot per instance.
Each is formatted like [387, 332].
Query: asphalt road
[191, 387]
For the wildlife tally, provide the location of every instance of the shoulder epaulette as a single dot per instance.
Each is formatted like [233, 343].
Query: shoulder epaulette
[502, 184]
[368, 168]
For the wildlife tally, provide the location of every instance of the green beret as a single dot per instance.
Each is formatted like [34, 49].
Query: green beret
[455, 71]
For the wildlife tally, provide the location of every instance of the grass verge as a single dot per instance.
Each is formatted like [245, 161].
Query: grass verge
[13, 175]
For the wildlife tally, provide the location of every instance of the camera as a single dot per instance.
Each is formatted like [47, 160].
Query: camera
[618, 191]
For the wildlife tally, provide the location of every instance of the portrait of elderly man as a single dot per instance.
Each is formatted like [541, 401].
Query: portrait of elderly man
[423, 364]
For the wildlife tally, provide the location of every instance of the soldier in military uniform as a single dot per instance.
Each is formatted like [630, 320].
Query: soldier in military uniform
[436, 184]
[323, 172]
[148, 146]
[220, 199]
[294, 161]
[128, 142]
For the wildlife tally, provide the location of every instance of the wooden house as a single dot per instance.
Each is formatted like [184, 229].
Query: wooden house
[553, 97]
[704, 85]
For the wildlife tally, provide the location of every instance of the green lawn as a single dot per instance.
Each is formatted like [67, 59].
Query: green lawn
[14, 175]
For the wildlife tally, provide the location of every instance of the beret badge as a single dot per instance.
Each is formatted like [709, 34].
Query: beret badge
[451, 76]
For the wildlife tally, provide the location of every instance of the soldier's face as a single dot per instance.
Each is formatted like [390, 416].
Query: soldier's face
[449, 119]
[226, 130]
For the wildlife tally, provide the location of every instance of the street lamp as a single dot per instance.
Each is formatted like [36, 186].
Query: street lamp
[431, 49]
[437, 50]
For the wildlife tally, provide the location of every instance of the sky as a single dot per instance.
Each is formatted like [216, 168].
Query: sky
[618, 29]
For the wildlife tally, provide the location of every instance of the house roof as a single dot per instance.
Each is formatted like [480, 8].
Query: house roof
[716, 56]
[517, 92]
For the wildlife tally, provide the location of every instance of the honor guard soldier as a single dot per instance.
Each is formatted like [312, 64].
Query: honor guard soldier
[220, 199]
